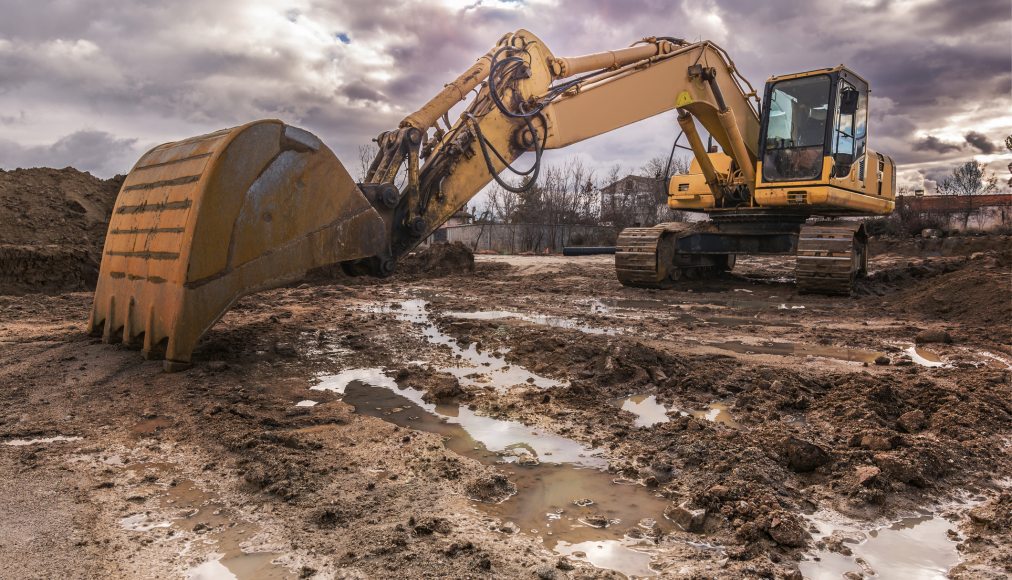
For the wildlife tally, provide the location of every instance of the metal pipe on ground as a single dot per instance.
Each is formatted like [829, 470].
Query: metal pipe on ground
[587, 250]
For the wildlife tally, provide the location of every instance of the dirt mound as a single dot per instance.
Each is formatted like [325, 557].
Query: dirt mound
[975, 292]
[438, 260]
[949, 246]
[54, 224]
[25, 269]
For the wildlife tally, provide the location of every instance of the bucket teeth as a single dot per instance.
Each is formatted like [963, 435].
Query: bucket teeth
[201, 222]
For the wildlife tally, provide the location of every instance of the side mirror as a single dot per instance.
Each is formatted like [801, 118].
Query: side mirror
[848, 101]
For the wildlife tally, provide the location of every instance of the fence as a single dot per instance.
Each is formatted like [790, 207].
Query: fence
[517, 238]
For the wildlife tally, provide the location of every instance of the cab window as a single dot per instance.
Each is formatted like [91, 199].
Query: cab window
[796, 129]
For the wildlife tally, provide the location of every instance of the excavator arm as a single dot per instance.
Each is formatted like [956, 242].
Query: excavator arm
[202, 222]
[528, 100]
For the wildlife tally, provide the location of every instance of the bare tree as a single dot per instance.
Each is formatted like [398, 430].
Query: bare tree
[366, 153]
[967, 181]
[1008, 145]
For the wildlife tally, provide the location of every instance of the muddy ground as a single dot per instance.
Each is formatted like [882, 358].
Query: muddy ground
[460, 424]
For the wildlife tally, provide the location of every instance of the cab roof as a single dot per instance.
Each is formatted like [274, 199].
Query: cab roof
[821, 71]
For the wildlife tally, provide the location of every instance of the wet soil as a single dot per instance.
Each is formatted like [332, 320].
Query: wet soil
[532, 418]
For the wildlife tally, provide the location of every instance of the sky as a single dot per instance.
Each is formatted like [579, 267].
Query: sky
[95, 83]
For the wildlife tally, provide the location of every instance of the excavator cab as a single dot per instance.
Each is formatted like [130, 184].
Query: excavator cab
[812, 152]
[813, 146]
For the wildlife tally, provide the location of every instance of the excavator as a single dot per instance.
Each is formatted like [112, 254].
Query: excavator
[201, 222]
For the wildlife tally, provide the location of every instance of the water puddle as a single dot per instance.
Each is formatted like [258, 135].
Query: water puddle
[306, 403]
[199, 518]
[912, 548]
[39, 440]
[542, 319]
[256, 566]
[924, 357]
[142, 523]
[646, 408]
[151, 425]
[564, 496]
[919, 356]
[717, 412]
[610, 556]
[995, 361]
[485, 368]
[372, 392]
[792, 349]
[650, 412]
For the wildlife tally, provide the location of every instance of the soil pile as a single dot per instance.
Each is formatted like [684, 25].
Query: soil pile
[54, 223]
[976, 292]
[438, 260]
[949, 246]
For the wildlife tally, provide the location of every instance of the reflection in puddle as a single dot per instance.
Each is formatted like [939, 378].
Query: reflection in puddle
[374, 393]
[485, 367]
[647, 410]
[552, 475]
[924, 357]
[650, 412]
[256, 566]
[542, 319]
[609, 555]
[912, 548]
[717, 412]
[38, 440]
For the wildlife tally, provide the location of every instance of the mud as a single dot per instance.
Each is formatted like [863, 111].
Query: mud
[438, 259]
[461, 424]
[54, 224]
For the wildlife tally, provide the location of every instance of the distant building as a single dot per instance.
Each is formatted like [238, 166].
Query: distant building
[634, 201]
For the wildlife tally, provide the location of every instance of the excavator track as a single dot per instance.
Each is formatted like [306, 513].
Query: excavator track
[830, 258]
[643, 256]
[648, 257]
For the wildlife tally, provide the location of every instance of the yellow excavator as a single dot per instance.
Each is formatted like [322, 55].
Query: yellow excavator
[201, 222]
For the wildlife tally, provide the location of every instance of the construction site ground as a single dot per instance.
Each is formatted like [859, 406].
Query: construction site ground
[531, 418]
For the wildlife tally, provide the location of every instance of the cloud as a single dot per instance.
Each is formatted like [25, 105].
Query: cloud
[97, 152]
[932, 143]
[980, 142]
[149, 72]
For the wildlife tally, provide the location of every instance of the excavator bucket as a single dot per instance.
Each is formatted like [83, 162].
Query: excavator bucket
[202, 222]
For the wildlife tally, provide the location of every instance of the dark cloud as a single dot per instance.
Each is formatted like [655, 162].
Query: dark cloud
[932, 143]
[155, 71]
[96, 151]
[980, 142]
[358, 91]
